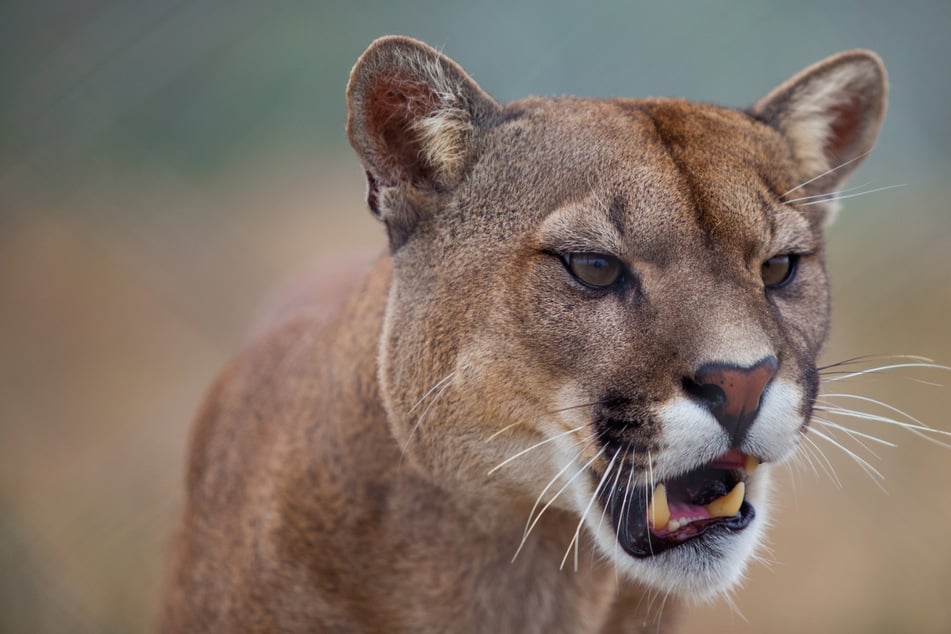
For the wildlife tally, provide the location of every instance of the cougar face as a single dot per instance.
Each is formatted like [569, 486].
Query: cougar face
[610, 307]
[682, 353]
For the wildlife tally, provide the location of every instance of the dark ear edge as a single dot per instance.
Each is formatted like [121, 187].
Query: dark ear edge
[413, 114]
[830, 114]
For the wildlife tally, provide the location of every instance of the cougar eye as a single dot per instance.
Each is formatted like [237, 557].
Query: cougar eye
[779, 270]
[595, 269]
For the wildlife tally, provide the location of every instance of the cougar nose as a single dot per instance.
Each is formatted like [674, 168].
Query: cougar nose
[732, 393]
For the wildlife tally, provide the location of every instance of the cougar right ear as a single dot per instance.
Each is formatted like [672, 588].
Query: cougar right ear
[413, 119]
[830, 114]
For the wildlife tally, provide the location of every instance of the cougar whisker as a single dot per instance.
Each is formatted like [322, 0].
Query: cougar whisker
[443, 384]
[594, 496]
[568, 464]
[626, 496]
[872, 357]
[804, 451]
[885, 368]
[814, 196]
[538, 517]
[843, 197]
[648, 492]
[435, 387]
[503, 430]
[827, 172]
[614, 488]
[875, 475]
[915, 427]
[535, 446]
[824, 463]
[855, 435]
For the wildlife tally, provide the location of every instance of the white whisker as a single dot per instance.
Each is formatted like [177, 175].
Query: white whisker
[529, 525]
[647, 494]
[918, 429]
[660, 613]
[442, 385]
[843, 197]
[804, 452]
[869, 358]
[535, 446]
[538, 500]
[855, 434]
[884, 368]
[793, 474]
[577, 538]
[824, 463]
[826, 173]
[502, 431]
[628, 493]
[617, 478]
[438, 385]
[814, 196]
[884, 405]
[872, 472]
[555, 497]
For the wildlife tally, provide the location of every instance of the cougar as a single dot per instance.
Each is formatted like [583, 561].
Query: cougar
[556, 400]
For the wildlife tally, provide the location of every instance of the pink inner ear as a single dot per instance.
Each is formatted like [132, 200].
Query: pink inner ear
[845, 127]
[393, 105]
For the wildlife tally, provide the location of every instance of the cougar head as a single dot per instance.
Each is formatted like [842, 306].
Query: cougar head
[608, 307]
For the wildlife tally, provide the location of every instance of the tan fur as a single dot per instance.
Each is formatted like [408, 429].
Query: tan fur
[375, 472]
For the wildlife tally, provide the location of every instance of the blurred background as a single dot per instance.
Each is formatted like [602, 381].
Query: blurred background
[168, 169]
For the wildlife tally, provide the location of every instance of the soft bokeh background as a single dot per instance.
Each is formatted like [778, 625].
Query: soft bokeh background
[166, 168]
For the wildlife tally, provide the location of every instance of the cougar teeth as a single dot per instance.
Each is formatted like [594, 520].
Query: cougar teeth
[751, 464]
[659, 512]
[728, 505]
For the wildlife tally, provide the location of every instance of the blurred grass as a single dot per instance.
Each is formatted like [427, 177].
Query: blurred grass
[167, 168]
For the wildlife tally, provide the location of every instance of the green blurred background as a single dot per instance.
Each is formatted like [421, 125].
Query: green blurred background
[168, 170]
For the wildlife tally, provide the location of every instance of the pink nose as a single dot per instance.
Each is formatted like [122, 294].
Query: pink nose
[732, 393]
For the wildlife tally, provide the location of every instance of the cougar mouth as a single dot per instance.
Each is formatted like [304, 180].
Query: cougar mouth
[707, 501]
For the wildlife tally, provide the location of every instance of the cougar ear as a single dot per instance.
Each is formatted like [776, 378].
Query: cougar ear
[830, 114]
[413, 118]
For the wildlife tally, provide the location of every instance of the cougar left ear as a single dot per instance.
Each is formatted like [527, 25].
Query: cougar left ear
[830, 114]
[413, 118]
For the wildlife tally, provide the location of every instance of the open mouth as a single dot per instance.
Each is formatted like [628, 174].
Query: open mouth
[704, 501]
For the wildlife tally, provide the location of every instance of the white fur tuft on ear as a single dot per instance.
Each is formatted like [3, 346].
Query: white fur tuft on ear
[445, 138]
[830, 115]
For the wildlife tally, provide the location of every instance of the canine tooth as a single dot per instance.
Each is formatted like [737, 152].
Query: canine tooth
[751, 464]
[659, 512]
[729, 504]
